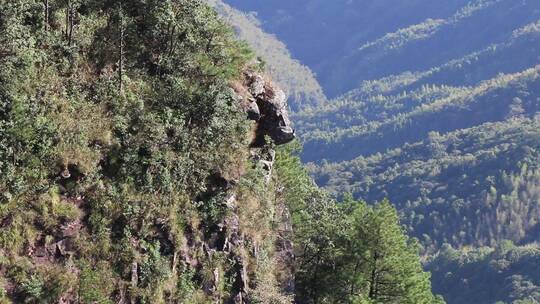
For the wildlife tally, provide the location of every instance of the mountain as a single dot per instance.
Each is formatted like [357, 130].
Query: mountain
[408, 135]
[147, 157]
[321, 33]
[348, 41]
[432, 94]
[377, 122]
[126, 157]
[472, 187]
[435, 106]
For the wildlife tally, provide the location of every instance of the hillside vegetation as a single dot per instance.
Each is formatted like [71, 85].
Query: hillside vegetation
[435, 108]
[389, 121]
[505, 274]
[475, 186]
[139, 163]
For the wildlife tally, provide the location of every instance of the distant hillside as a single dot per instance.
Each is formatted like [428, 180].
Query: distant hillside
[436, 142]
[469, 187]
[505, 274]
[432, 42]
[437, 108]
[348, 41]
[354, 128]
[296, 79]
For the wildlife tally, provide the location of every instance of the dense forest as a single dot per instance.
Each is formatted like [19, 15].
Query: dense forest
[434, 107]
[504, 274]
[390, 122]
[470, 187]
[146, 157]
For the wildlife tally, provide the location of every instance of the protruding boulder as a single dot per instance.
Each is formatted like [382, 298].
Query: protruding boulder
[269, 109]
[257, 85]
[275, 122]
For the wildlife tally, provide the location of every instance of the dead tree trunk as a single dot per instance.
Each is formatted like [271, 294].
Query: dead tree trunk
[71, 24]
[121, 48]
[46, 15]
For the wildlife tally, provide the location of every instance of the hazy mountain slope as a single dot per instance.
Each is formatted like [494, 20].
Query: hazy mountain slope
[437, 109]
[432, 42]
[321, 33]
[346, 42]
[296, 79]
[399, 93]
[506, 274]
[470, 187]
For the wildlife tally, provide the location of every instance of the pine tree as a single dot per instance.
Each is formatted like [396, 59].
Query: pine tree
[381, 261]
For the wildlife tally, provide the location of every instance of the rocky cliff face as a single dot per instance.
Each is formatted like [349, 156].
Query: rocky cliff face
[135, 173]
[266, 105]
[243, 254]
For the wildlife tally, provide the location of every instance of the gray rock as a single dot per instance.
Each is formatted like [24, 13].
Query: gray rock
[270, 111]
[257, 86]
[253, 111]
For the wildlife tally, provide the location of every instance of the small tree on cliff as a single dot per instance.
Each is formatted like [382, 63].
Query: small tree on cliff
[383, 264]
[349, 252]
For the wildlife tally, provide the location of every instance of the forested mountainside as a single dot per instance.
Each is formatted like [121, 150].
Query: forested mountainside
[375, 123]
[297, 80]
[476, 186]
[438, 131]
[393, 100]
[145, 157]
[504, 274]
[417, 129]
[345, 42]
[436, 108]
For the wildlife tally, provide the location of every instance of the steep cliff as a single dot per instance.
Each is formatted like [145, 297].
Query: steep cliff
[130, 172]
[139, 163]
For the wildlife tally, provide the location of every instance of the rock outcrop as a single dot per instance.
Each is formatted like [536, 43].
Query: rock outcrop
[138, 183]
[266, 104]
